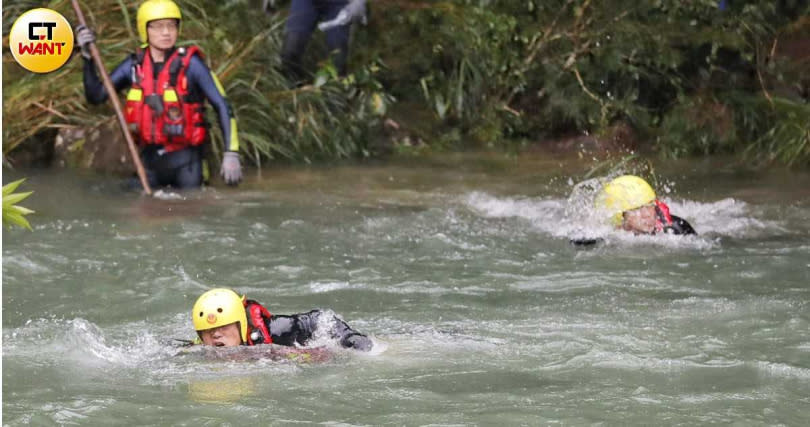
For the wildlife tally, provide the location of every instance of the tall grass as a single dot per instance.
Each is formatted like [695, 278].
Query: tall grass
[690, 78]
[330, 118]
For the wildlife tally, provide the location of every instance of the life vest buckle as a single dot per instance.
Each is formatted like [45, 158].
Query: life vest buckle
[155, 102]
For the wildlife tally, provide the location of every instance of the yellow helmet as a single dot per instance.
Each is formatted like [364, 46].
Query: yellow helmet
[151, 10]
[220, 307]
[622, 194]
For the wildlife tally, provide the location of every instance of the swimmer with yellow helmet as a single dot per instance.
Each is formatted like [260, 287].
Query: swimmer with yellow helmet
[631, 204]
[224, 319]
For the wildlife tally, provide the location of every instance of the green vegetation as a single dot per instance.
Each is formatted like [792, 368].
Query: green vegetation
[330, 118]
[14, 214]
[690, 79]
[687, 77]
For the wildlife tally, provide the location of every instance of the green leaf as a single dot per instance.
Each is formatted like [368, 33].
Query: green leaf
[11, 186]
[13, 214]
[16, 219]
[21, 210]
[13, 199]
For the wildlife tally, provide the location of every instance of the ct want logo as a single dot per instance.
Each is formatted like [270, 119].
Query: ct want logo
[41, 40]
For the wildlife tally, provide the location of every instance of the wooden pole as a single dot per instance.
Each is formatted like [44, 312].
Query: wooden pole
[133, 151]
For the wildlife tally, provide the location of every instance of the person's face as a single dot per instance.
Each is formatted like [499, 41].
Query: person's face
[223, 336]
[162, 33]
[641, 220]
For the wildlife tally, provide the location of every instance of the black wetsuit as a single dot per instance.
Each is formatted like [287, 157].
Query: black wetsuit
[678, 226]
[181, 168]
[297, 329]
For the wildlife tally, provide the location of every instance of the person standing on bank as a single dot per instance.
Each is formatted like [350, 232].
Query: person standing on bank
[335, 18]
[165, 107]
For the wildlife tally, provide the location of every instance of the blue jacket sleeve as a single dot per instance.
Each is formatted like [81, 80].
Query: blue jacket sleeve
[94, 90]
[202, 80]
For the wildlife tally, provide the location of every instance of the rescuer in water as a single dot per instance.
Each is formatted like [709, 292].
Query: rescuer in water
[630, 204]
[224, 319]
[165, 107]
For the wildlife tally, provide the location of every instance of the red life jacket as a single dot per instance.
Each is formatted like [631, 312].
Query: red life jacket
[257, 319]
[159, 111]
[662, 217]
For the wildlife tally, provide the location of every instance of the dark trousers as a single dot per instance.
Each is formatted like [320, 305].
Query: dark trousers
[304, 16]
[181, 169]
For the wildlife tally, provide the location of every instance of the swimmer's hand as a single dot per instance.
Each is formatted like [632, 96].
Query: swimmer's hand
[357, 342]
[586, 241]
[179, 342]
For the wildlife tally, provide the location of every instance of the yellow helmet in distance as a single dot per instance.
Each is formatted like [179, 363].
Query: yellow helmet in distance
[220, 307]
[151, 10]
[623, 194]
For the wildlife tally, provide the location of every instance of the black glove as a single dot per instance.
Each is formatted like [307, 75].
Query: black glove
[85, 36]
[357, 342]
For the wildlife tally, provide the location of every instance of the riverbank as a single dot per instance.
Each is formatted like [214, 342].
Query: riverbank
[507, 76]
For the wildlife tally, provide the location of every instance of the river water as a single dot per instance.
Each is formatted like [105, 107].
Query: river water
[459, 267]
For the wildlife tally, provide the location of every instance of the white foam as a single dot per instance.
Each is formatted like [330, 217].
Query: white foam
[167, 195]
[576, 217]
[728, 217]
[323, 287]
[782, 370]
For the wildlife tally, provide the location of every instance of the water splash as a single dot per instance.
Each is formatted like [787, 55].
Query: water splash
[168, 195]
[576, 217]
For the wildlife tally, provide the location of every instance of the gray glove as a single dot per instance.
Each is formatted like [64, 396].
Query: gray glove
[231, 168]
[85, 36]
[354, 11]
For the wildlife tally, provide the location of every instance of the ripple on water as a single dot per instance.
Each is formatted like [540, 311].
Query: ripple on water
[322, 287]
[26, 265]
[782, 370]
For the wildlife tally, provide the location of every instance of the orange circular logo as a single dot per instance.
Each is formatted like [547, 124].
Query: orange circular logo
[212, 318]
[41, 40]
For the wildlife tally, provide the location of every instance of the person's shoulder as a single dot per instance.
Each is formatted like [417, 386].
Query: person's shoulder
[129, 60]
[197, 71]
[196, 59]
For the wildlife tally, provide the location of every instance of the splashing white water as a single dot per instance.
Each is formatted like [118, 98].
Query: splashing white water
[576, 217]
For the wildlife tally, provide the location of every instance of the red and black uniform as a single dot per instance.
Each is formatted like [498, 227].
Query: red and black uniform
[298, 329]
[668, 223]
[160, 109]
[165, 110]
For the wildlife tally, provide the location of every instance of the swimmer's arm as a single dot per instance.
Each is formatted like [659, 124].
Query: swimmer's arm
[586, 241]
